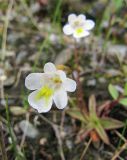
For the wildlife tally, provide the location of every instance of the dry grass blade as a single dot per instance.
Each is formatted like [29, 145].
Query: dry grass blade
[85, 150]
[6, 23]
[119, 151]
[2, 145]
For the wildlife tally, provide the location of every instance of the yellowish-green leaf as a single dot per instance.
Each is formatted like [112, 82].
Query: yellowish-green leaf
[118, 4]
[102, 133]
[123, 101]
[113, 91]
[125, 89]
[76, 114]
[92, 105]
[110, 123]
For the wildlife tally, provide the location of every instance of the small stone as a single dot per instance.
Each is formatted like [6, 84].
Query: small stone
[54, 39]
[102, 80]
[91, 82]
[69, 144]
[117, 50]
[113, 72]
[28, 129]
[9, 81]
[3, 77]
[64, 56]
[43, 141]
[17, 110]
[21, 56]
[35, 7]
[62, 134]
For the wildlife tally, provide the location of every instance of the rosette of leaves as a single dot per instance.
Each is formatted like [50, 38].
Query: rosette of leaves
[95, 121]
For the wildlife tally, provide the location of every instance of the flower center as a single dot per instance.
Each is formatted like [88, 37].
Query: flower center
[79, 31]
[44, 92]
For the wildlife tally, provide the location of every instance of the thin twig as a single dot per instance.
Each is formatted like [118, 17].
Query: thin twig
[85, 150]
[119, 151]
[59, 141]
[106, 107]
[122, 148]
[62, 120]
[56, 130]
[45, 119]
[121, 136]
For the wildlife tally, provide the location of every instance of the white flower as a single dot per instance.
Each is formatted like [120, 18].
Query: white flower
[78, 26]
[52, 85]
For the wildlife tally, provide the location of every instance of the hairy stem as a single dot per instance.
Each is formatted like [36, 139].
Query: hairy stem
[80, 98]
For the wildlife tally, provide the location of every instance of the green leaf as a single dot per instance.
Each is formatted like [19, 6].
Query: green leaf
[125, 89]
[102, 133]
[76, 114]
[118, 4]
[123, 101]
[113, 91]
[110, 123]
[92, 105]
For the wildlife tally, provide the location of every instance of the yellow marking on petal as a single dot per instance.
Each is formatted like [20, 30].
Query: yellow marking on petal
[44, 92]
[56, 79]
[79, 31]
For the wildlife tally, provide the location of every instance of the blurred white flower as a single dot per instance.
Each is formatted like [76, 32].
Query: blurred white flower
[52, 85]
[78, 26]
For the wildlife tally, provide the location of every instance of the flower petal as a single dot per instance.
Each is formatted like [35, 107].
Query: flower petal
[34, 81]
[67, 29]
[72, 17]
[81, 34]
[62, 75]
[81, 17]
[69, 85]
[41, 105]
[89, 24]
[49, 67]
[60, 99]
